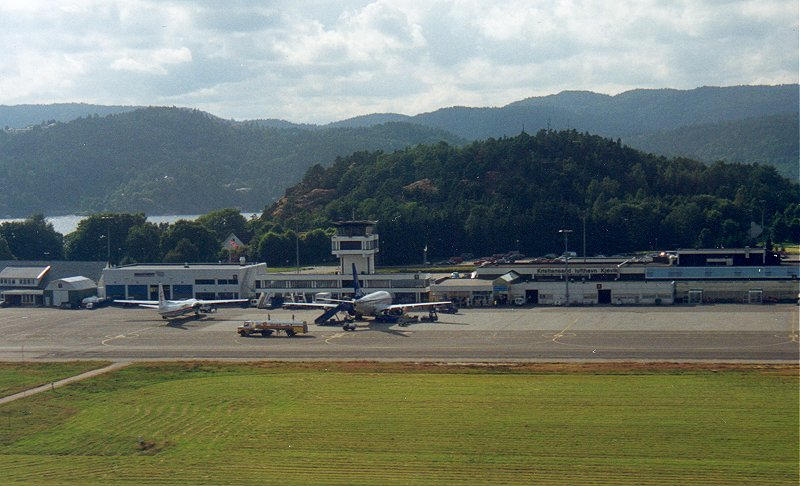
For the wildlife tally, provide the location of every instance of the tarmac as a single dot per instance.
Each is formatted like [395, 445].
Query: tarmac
[721, 332]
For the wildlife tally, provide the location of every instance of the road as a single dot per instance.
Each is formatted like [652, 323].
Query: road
[729, 332]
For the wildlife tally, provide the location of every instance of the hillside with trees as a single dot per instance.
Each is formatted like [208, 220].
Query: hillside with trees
[171, 160]
[486, 197]
[515, 193]
[22, 116]
[770, 140]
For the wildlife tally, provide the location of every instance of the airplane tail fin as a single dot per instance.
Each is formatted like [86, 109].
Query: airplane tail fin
[357, 292]
[161, 298]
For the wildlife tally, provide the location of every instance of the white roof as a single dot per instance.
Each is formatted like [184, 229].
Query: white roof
[72, 283]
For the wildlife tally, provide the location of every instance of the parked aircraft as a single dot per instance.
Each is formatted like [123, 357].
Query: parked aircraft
[375, 304]
[174, 309]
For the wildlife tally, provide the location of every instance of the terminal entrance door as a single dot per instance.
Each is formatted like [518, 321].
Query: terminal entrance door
[532, 296]
[603, 296]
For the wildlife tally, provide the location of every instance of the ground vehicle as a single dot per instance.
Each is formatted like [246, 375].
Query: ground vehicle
[266, 328]
[519, 301]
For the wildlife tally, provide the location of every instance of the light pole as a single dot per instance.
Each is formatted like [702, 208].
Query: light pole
[108, 239]
[566, 264]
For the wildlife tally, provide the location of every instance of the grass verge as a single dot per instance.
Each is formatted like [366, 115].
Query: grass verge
[405, 423]
[16, 377]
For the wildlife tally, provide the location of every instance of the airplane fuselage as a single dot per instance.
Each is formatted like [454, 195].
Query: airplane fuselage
[373, 304]
[170, 309]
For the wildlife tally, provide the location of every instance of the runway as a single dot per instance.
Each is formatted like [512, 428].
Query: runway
[763, 333]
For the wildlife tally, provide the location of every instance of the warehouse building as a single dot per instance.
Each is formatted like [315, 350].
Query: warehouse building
[28, 283]
[184, 281]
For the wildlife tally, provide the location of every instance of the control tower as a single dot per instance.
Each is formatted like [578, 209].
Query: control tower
[355, 242]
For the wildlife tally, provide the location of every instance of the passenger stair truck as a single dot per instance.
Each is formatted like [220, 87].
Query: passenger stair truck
[266, 328]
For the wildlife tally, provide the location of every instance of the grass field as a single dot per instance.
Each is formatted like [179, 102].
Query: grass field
[364, 423]
[15, 377]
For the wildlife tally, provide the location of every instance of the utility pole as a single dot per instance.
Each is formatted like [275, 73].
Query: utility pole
[566, 264]
[584, 238]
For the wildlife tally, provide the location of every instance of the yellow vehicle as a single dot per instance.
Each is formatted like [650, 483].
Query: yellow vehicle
[266, 328]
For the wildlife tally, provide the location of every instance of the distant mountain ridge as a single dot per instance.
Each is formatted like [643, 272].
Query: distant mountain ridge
[173, 160]
[767, 140]
[22, 116]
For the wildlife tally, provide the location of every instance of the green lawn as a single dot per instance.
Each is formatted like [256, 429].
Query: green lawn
[329, 423]
[15, 377]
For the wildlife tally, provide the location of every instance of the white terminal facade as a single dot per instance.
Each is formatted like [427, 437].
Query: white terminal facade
[693, 276]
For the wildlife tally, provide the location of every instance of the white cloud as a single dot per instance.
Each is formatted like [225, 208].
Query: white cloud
[320, 60]
[153, 61]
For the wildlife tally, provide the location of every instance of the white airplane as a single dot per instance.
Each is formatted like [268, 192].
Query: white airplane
[173, 309]
[375, 304]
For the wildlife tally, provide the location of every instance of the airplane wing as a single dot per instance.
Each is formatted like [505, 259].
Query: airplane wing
[222, 301]
[419, 304]
[309, 305]
[138, 302]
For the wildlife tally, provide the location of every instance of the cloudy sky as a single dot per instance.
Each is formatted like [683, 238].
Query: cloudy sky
[318, 61]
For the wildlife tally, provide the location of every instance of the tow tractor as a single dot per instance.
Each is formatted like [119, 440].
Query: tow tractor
[267, 328]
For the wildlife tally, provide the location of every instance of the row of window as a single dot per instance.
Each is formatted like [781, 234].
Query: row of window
[333, 284]
[17, 281]
[175, 292]
[221, 281]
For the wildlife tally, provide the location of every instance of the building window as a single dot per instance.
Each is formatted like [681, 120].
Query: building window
[137, 292]
[205, 296]
[204, 281]
[350, 245]
[115, 291]
[182, 291]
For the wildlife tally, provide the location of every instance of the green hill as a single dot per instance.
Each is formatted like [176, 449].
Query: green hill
[770, 140]
[515, 193]
[171, 160]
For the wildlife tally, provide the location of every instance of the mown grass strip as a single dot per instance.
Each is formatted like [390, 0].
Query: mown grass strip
[16, 377]
[402, 423]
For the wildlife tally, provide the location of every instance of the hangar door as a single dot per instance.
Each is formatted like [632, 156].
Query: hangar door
[603, 296]
[532, 296]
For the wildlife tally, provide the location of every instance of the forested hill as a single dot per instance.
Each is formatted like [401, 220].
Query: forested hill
[515, 193]
[735, 123]
[22, 116]
[172, 161]
[770, 139]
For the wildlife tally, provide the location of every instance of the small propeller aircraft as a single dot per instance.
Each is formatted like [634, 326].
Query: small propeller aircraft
[375, 304]
[175, 309]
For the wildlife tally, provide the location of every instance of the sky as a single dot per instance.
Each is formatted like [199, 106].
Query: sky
[318, 61]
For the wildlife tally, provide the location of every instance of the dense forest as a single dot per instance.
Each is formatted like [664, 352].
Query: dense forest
[769, 140]
[171, 160]
[486, 197]
[515, 193]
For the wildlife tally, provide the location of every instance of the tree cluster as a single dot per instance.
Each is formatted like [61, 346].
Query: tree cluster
[516, 193]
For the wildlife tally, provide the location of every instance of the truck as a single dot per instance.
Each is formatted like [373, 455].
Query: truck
[267, 328]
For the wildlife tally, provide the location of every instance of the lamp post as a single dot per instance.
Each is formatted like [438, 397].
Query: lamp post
[108, 239]
[566, 233]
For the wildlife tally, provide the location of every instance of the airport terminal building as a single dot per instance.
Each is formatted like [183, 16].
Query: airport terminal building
[741, 275]
[745, 275]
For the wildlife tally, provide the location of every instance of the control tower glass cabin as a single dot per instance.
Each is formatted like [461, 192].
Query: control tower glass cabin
[355, 242]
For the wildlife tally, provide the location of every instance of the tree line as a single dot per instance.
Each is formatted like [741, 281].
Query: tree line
[125, 238]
